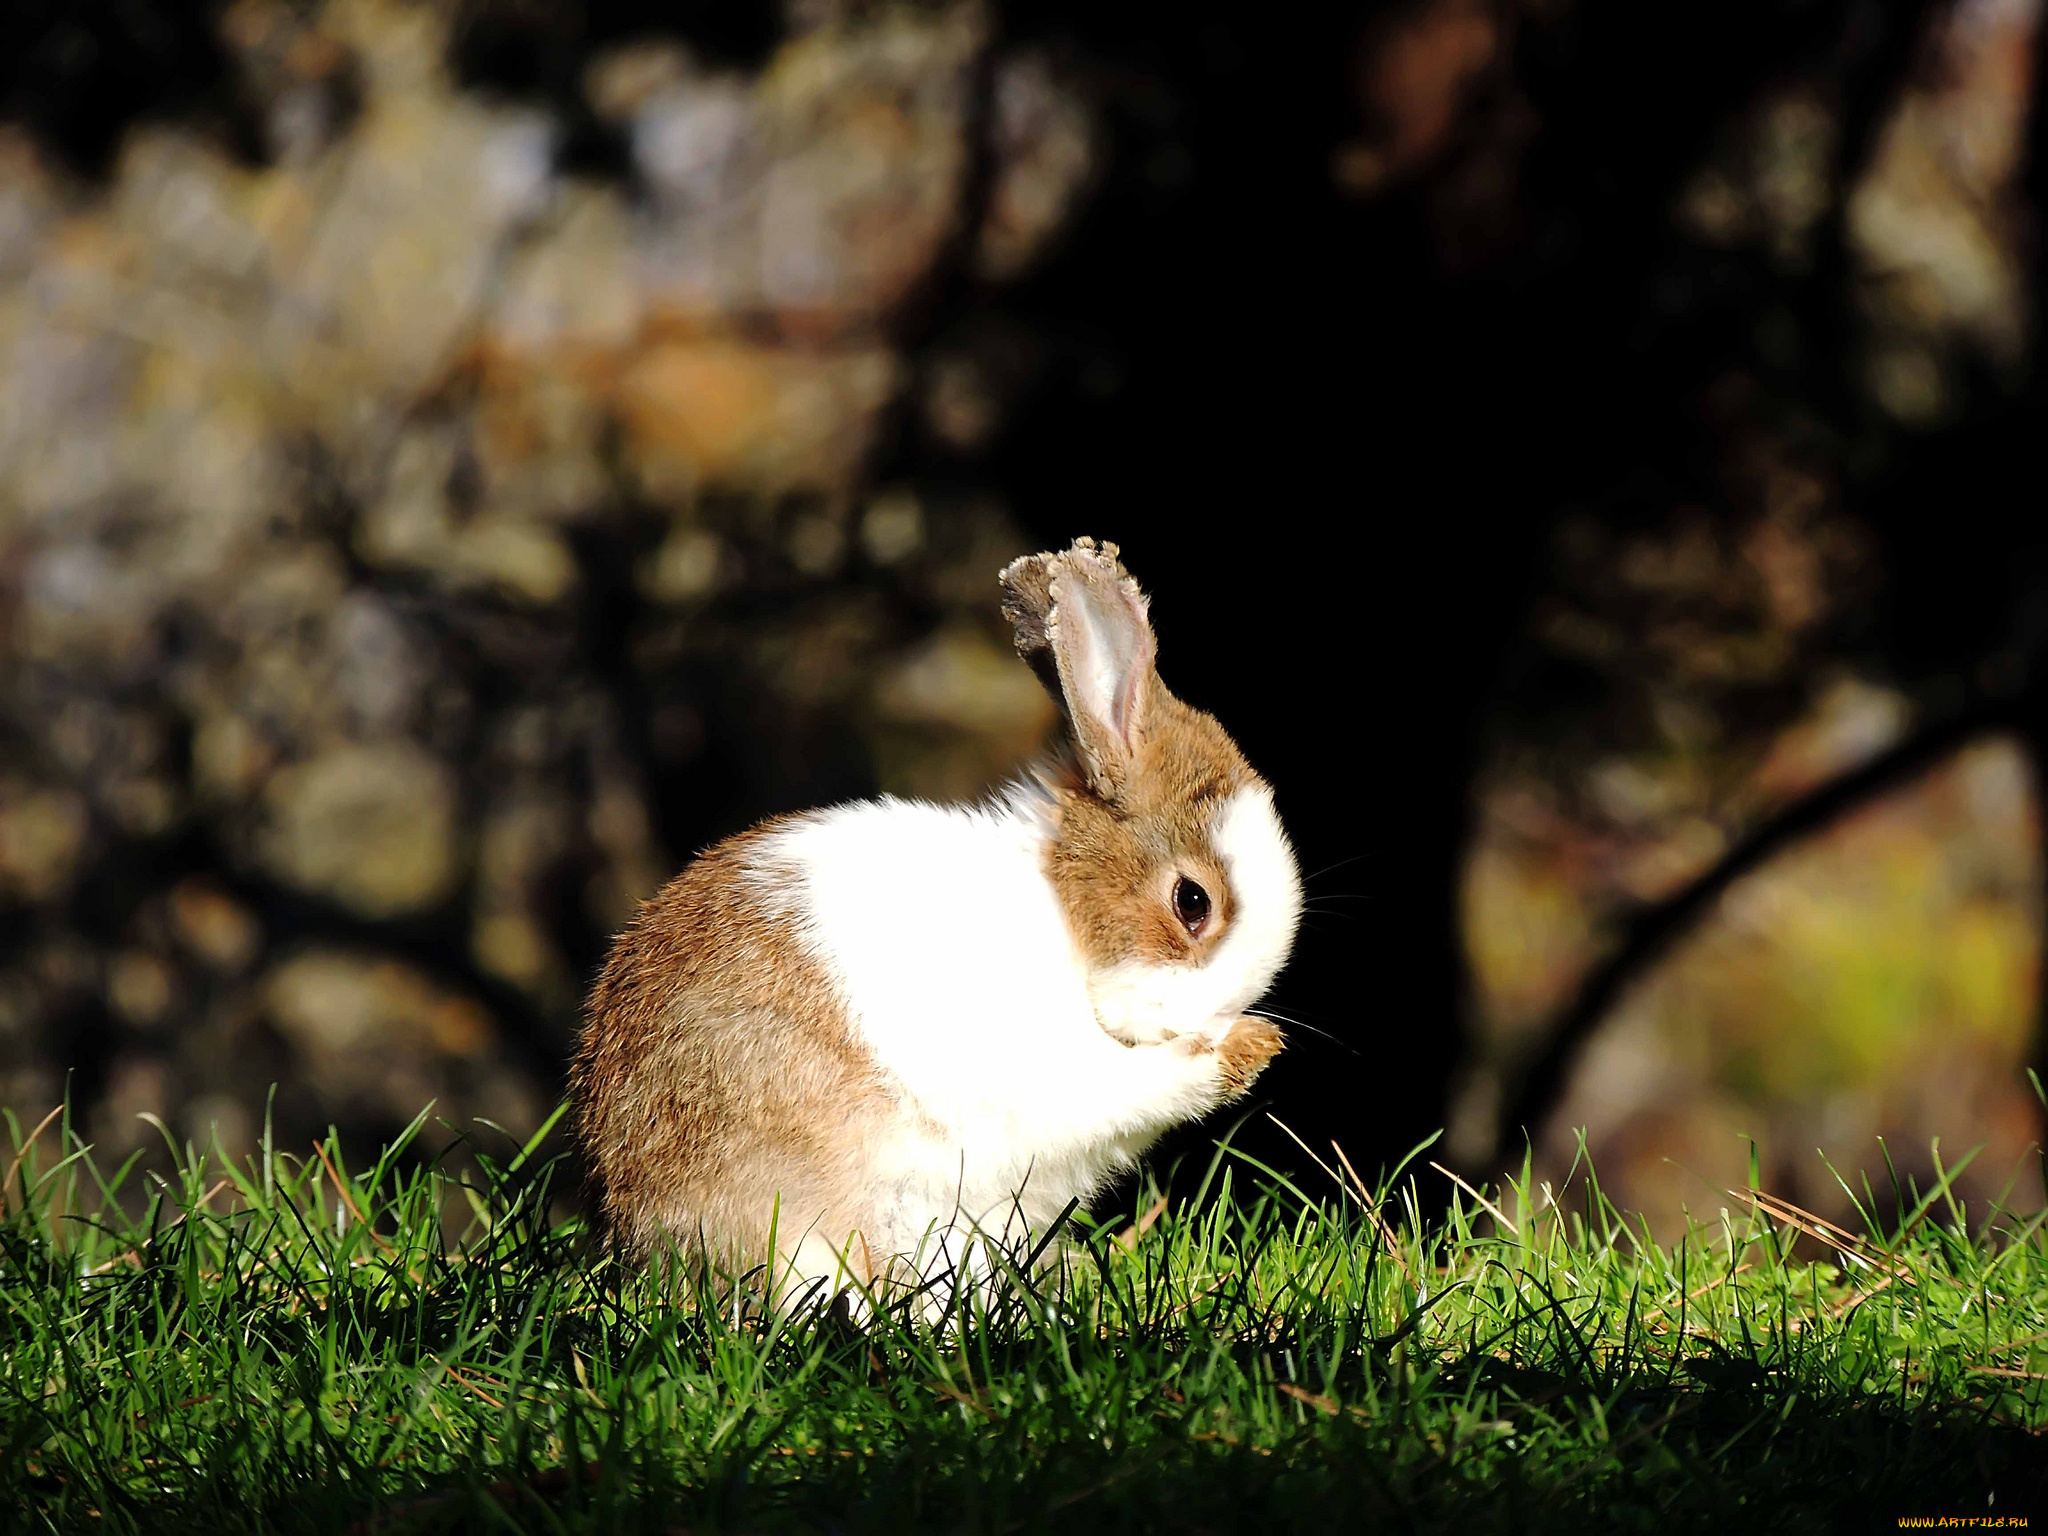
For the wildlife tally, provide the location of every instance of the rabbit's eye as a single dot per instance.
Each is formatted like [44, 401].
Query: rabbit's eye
[1190, 904]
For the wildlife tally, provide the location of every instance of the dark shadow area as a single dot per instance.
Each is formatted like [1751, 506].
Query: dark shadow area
[79, 75]
[1684, 1456]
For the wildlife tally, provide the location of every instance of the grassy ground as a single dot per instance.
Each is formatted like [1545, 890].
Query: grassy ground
[294, 1345]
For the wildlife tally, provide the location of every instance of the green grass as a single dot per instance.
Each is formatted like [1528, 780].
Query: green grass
[301, 1346]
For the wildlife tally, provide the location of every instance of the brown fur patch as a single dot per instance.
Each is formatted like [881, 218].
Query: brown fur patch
[717, 1071]
[1113, 863]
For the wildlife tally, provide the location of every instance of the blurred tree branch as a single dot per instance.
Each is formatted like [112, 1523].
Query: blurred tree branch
[1658, 927]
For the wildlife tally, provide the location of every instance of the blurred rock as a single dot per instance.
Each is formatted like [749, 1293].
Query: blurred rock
[1044, 154]
[716, 412]
[372, 826]
[42, 834]
[378, 1037]
[685, 567]
[214, 927]
[820, 193]
[892, 527]
[141, 988]
[333, 1004]
[620, 81]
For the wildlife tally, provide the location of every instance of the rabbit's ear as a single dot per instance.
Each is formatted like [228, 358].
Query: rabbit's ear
[1027, 604]
[1082, 623]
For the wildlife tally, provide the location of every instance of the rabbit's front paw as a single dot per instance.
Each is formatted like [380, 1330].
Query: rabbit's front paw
[1244, 1052]
[1231, 1058]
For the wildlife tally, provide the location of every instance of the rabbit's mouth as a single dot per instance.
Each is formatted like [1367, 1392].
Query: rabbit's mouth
[1148, 1004]
[1124, 1034]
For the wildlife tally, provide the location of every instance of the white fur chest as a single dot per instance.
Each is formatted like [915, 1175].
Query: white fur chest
[953, 959]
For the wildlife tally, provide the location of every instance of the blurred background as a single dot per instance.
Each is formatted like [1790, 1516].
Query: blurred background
[459, 457]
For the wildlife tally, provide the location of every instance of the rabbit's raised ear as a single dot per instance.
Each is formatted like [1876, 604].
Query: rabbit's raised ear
[1083, 626]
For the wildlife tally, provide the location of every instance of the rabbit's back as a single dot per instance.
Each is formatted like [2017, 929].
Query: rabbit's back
[716, 1070]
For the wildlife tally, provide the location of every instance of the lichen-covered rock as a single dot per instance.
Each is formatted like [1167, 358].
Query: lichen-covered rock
[371, 825]
[42, 832]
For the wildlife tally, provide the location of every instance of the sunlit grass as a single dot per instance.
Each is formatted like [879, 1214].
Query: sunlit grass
[299, 1344]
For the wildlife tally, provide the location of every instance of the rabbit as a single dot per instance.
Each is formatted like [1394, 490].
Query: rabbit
[846, 1042]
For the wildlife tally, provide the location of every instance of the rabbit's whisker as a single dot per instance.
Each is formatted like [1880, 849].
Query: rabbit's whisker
[1281, 1018]
[1331, 868]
